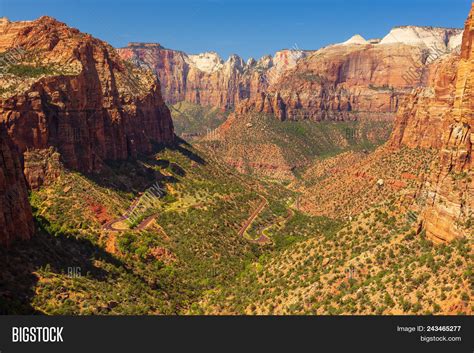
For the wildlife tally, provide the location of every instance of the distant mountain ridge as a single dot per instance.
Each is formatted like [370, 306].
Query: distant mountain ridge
[207, 79]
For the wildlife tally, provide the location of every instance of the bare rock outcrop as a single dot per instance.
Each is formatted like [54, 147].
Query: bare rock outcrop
[451, 185]
[77, 95]
[333, 83]
[205, 78]
[440, 116]
[422, 116]
[342, 81]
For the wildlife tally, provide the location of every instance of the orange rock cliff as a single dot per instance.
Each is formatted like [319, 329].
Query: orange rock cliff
[440, 116]
[73, 92]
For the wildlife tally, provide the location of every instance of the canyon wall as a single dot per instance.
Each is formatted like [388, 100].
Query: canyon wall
[71, 91]
[422, 116]
[16, 220]
[449, 213]
[205, 78]
[339, 82]
[440, 116]
[345, 81]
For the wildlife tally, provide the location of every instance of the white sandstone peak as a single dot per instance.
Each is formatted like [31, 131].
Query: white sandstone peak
[207, 62]
[234, 62]
[433, 38]
[356, 39]
[455, 41]
[265, 62]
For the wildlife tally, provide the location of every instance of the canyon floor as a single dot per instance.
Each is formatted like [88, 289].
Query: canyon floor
[222, 242]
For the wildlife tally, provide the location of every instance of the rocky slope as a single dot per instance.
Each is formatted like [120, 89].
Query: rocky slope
[349, 183]
[16, 220]
[71, 91]
[257, 143]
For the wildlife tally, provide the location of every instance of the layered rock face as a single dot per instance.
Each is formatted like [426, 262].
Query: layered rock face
[422, 116]
[342, 81]
[449, 213]
[334, 83]
[71, 91]
[440, 116]
[205, 78]
[16, 220]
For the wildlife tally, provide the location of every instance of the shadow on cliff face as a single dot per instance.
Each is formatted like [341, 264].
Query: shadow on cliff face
[58, 254]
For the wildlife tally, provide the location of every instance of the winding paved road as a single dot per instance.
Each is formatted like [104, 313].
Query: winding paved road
[263, 239]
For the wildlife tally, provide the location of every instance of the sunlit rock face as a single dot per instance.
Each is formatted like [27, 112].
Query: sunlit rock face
[332, 83]
[450, 212]
[78, 96]
[207, 79]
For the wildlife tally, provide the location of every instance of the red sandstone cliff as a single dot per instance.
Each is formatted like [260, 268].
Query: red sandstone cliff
[341, 82]
[205, 78]
[440, 116]
[16, 220]
[72, 91]
[449, 213]
[338, 82]
[422, 116]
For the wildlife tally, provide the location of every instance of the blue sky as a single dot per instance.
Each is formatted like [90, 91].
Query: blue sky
[247, 28]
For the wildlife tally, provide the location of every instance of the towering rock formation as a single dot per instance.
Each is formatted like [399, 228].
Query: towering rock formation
[339, 82]
[66, 89]
[205, 78]
[353, 79]
[450, 211]
[16, 220]
[422, 116]
[440, 116]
